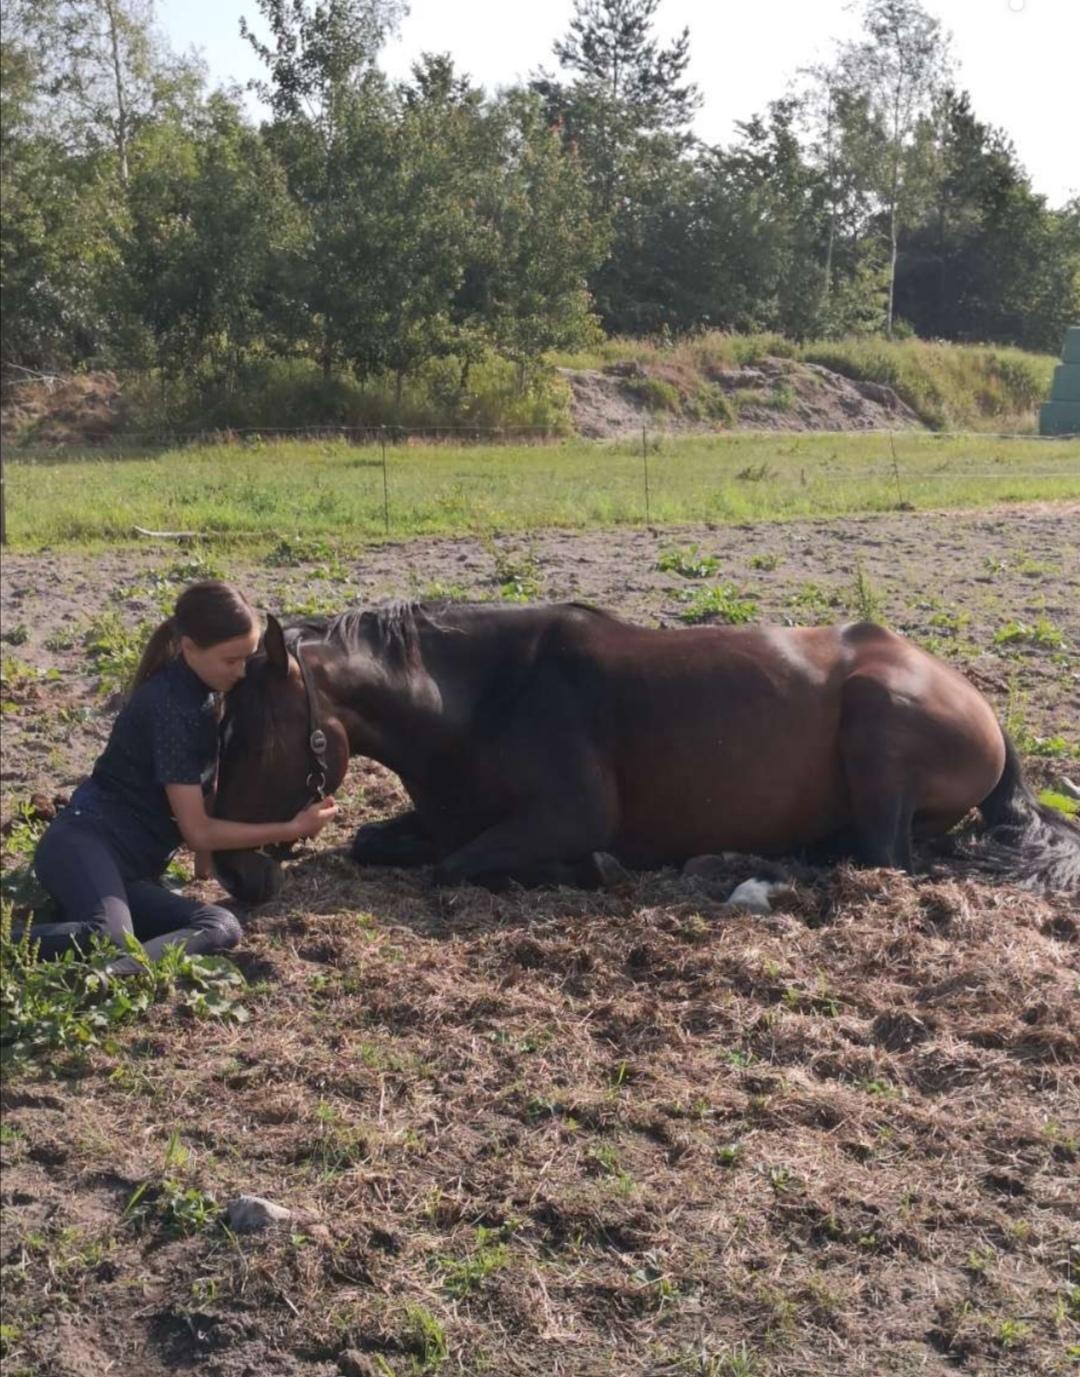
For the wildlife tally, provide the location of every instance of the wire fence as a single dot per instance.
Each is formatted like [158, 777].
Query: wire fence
[652, 444]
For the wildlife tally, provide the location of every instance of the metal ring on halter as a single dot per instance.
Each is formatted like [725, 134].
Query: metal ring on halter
[319, 789]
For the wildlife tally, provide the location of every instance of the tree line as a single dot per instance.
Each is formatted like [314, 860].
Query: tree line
[369, 226]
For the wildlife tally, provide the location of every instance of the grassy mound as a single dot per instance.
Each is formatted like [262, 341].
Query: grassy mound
[949, 386]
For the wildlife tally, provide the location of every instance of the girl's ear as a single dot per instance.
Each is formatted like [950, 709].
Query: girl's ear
[274, 645]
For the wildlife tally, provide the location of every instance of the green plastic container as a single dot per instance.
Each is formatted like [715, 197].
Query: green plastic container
[1061, 414]
[1059, 418]
[1066, 386]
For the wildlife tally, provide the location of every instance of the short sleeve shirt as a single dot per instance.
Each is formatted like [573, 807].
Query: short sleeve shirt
[166, 733]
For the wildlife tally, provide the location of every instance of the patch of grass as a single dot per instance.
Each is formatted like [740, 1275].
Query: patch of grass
[19, 885]
[424, 1337]
[722, 602]
[338, 1146]
[767, 561]
[170, 1203]
[516, 573]
[1056, 746]
[70, 1004]
[970, 387]
[1042, 633]
[438, 591]
[688, 563]
[291, 551]
[654, 394]
[710, 402]
[463, 1276]
[15, 635]
[309, 604]
[115, 649]
[17, 677]
[1049, 798]
[812, 603]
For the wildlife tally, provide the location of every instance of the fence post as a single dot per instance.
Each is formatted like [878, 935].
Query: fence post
[385, 492]
[645, 468]
[896, 471]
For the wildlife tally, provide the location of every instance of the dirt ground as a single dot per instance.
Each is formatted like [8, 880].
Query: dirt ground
[773, 394]
[567, 1133]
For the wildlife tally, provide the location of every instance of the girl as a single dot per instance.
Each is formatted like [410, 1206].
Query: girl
[102, 858]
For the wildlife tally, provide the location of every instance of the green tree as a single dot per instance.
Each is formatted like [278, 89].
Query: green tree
[57, 218]
[543, 236]
[205, 267]
[626, 111]
[103, 72]
[330, 106]
[898, 68]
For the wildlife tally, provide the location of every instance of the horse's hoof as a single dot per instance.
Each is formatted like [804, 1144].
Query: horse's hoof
[612, 873]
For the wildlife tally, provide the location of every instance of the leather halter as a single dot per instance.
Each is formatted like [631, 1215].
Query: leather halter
[317, 776]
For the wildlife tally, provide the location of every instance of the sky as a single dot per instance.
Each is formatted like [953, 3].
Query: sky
[1018, 58]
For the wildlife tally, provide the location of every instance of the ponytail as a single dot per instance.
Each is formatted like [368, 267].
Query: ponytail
[160, 649]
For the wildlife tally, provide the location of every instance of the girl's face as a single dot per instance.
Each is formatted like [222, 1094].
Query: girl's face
[221, 666]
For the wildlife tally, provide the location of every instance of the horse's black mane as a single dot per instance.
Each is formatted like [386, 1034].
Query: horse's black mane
[393, 626]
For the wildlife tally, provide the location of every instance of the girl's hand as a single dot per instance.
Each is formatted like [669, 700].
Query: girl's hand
[310, 821]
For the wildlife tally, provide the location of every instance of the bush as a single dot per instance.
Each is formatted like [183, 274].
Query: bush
[295, 395]
[654, 394]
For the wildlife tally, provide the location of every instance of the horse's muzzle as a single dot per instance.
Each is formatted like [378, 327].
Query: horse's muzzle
[248, 875]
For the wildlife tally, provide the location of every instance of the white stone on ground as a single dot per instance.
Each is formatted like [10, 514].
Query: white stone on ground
[247, 1214]
[753, 895]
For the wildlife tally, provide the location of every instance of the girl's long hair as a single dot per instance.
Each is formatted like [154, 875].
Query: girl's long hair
[209, 613]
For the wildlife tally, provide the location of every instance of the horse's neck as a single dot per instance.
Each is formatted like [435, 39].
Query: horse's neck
[388, 708]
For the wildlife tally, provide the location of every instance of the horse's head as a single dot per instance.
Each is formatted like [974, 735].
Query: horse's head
[270, 766]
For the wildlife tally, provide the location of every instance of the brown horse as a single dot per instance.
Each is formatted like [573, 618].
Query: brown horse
[536, 741]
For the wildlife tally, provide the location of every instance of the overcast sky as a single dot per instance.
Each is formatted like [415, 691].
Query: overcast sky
[1018, 58]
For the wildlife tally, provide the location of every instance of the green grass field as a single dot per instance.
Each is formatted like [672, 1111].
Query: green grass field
[249, 492]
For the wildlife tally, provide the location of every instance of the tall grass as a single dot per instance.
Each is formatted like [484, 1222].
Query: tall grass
[259, 491]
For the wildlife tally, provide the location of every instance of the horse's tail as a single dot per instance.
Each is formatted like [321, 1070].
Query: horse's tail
[1022, 840]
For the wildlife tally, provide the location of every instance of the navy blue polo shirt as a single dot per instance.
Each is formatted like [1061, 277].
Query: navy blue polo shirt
[166, 733]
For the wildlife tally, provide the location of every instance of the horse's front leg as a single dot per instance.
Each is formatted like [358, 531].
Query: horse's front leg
[401, 841]
[529, 851]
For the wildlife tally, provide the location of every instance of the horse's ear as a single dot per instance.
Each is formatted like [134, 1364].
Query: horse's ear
[274, 645]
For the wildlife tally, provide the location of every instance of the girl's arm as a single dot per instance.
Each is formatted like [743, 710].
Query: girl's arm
[204, 833]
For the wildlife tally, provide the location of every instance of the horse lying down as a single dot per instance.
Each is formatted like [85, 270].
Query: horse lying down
[548, 744]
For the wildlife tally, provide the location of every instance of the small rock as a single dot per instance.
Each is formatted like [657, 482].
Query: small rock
[1068, 788]
[247, 1214]
[353, 1363]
